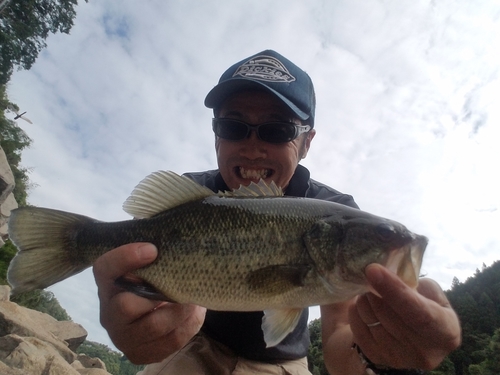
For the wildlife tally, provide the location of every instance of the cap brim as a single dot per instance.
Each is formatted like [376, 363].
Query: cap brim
[225, 89]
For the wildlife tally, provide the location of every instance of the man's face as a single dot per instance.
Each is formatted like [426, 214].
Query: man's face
[241, 162]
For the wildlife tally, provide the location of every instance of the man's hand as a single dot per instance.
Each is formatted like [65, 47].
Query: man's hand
[146, 331]
[417, 329]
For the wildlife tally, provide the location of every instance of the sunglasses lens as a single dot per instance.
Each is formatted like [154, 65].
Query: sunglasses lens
[277, 132]
[272, 132]
[230, 129]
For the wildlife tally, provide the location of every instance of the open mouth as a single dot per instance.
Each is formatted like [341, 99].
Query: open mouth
[407, 261]
[253, 174]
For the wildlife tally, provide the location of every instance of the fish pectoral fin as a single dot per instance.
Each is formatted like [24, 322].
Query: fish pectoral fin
[277, 324]
[133, 284]
[277, 279]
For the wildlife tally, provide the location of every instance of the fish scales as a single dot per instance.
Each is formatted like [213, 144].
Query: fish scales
[247, 250]
[215, 242]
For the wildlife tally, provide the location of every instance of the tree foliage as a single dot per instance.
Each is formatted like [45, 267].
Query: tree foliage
[13, 141]
[43, 301]
[315, 354]
[7, 252]
[477, 303]
[116, 363]
[24, 27]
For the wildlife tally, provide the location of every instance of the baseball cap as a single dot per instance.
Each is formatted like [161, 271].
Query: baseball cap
[274, 73]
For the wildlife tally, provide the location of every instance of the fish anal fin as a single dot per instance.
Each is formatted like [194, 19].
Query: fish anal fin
[278, 323]
[136, 285]
[277, 279]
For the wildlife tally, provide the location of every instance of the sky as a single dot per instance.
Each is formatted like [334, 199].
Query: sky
[407, 111]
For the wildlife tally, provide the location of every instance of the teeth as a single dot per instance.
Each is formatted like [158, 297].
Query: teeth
[254, 174]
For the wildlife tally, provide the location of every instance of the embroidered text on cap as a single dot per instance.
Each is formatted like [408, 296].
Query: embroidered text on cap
[265, 68]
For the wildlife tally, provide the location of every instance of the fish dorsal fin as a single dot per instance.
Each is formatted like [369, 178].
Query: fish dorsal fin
[161, 191]
[261, 189]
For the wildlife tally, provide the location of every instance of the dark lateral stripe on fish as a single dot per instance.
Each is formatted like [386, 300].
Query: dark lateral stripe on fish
[247, 250]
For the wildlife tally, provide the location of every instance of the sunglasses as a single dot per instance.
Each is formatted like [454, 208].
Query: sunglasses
[272, 132]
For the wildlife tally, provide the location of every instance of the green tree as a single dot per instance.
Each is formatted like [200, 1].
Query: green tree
[7, 252]
[24, 26]
[491, 363]
[489, 319]
[43, 301]
[445, 368]
[13, 140]
[315, 353]
[116, 363]
[477, 303]
[476, 370]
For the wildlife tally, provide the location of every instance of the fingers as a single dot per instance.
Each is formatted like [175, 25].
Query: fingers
[417, 326]
[117, 307]
[122, 260]
[159, 333]
[431, 290]
[418, 309]
[145, 330]
[387, 284]
[118, 262]
[389, 334]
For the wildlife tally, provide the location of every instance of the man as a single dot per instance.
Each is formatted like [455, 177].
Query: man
[264, 125]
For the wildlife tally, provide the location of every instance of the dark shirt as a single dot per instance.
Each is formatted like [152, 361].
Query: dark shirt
[241, 331]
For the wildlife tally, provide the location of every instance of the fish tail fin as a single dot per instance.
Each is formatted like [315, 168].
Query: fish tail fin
[45, 254]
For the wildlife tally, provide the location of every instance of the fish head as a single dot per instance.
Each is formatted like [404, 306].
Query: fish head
[342, 249]
[382, 241]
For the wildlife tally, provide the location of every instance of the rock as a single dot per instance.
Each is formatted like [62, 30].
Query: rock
[6, 370]
[93, 371]
[30, 323]
[32, 342]
[86, 365]
[7, 183]
[8, 205]
[88, 362]
[7, 200]
[72, 333]
[33, 356]
[4, 293]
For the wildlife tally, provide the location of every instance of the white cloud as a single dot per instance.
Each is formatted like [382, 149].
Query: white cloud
[406, 113]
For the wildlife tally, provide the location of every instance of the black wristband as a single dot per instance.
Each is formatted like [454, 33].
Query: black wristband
[383, 370]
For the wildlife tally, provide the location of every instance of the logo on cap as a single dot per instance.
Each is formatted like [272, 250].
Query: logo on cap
[264, 68]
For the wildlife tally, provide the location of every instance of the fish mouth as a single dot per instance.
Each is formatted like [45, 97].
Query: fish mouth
[252, 173]
[406, 261]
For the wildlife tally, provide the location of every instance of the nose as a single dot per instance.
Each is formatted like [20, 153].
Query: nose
[252, 147]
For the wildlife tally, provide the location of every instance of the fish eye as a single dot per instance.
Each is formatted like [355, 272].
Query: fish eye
[386, 231]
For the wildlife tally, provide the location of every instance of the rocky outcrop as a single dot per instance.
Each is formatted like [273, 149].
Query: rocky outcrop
[32, 342]
[7, 200]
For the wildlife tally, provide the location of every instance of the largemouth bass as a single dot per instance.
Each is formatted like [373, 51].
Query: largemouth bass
[247, 250]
